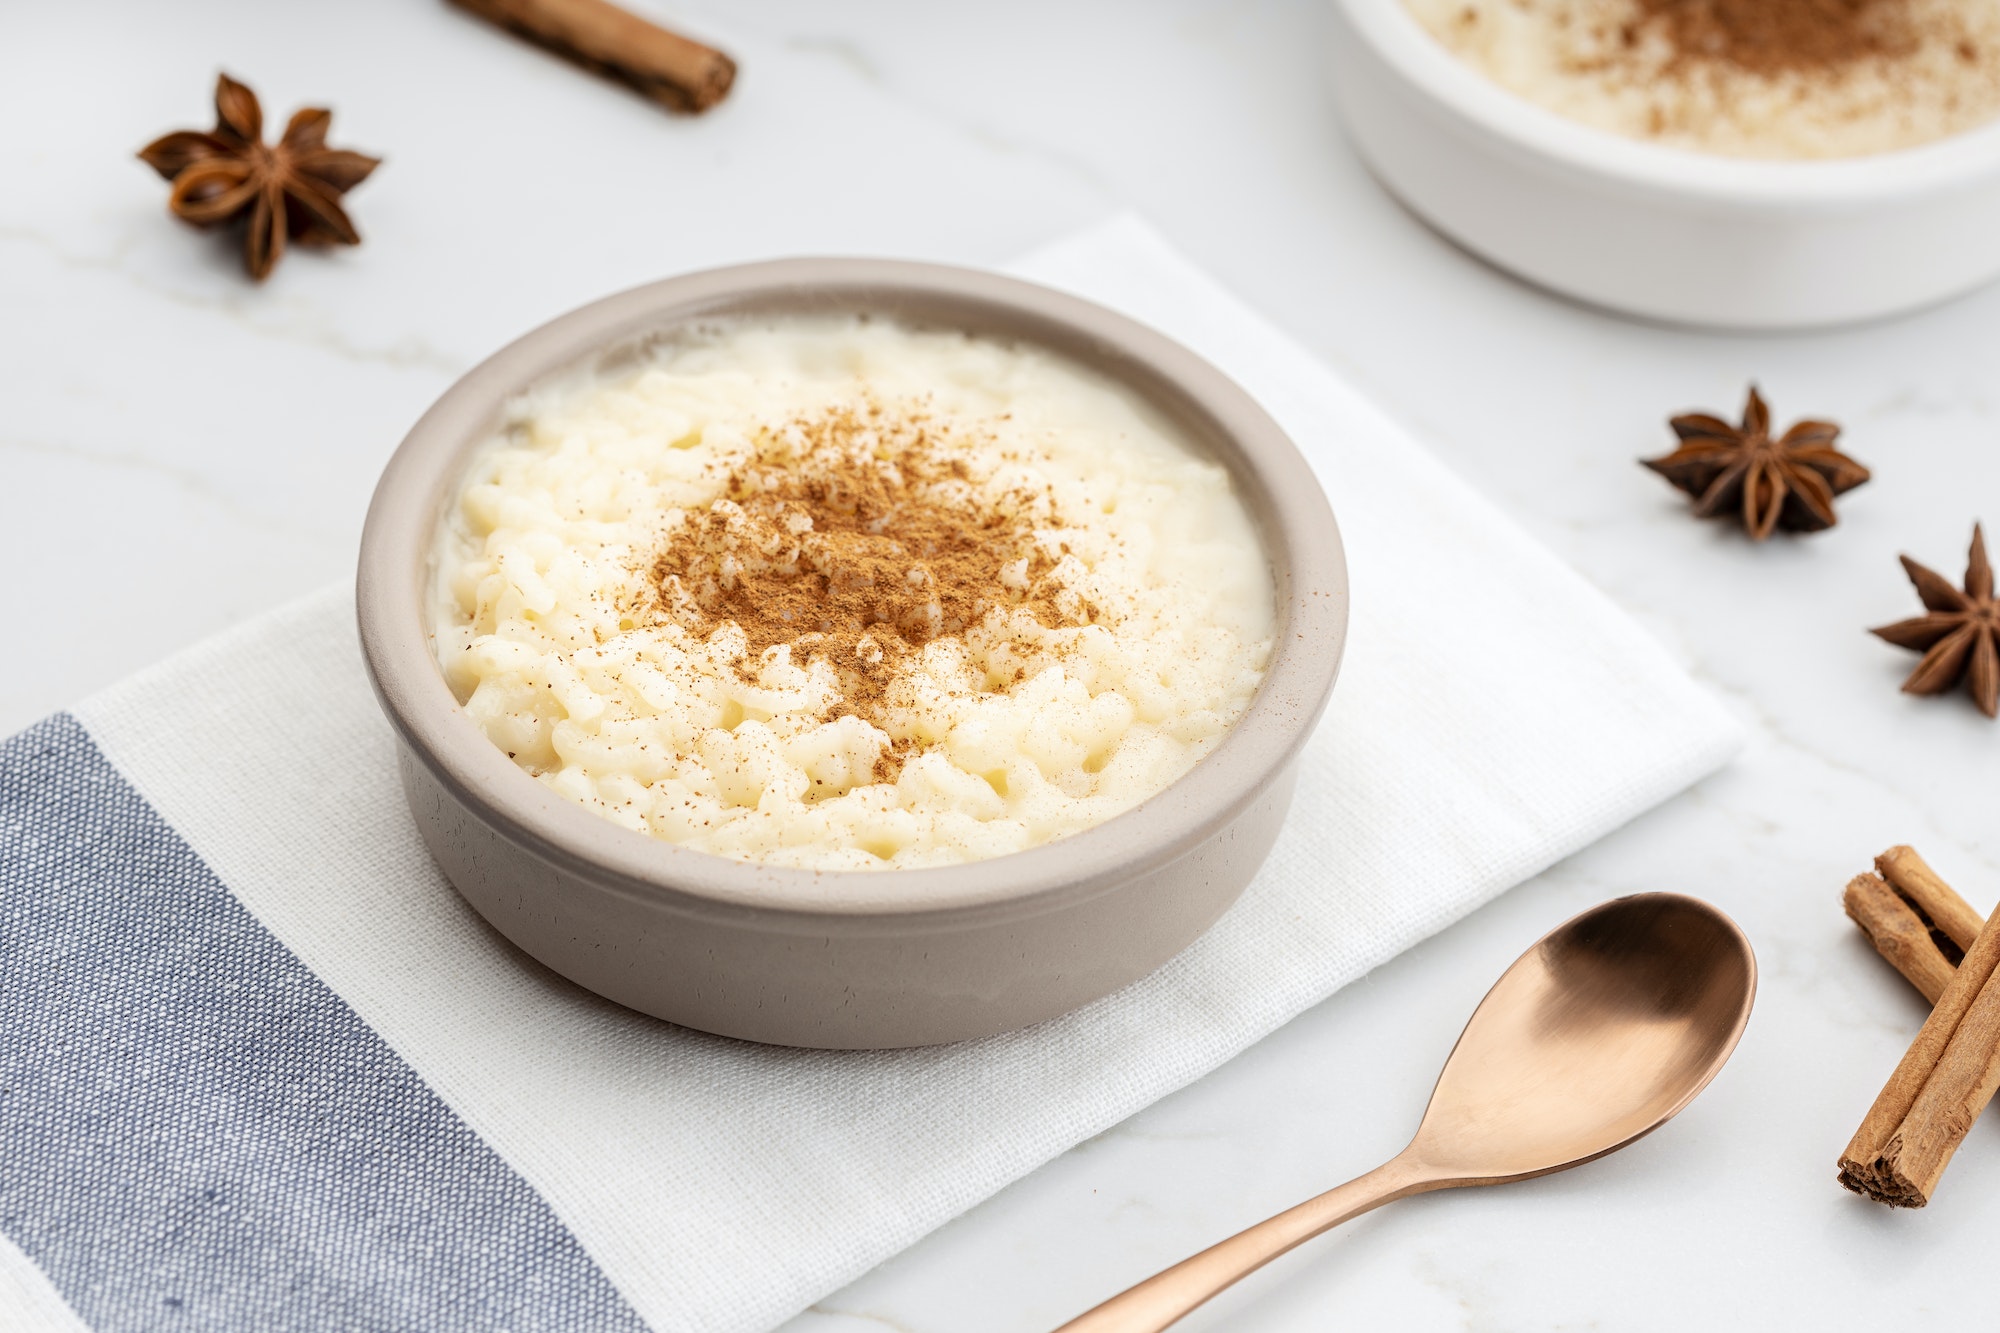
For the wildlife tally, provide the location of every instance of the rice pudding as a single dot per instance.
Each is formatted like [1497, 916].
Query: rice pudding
[846, 594]
[1748, 78]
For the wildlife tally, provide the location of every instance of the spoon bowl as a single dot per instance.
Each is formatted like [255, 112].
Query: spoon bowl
[1596, 1036]
[1605, 1029]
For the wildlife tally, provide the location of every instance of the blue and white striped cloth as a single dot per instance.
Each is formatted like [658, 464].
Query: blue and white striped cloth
[261, 1069]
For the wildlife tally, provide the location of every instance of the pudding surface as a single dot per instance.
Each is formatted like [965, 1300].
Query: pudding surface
[1745, 78]
[845, 594]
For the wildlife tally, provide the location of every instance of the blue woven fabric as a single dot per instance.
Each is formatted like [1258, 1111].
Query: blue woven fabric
[196, 1133]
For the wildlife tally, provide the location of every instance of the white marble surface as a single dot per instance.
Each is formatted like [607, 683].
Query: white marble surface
[179, 450]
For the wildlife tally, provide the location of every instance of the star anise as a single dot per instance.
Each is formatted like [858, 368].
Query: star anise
[1785, 483]
[1961, 634]
[288, 189]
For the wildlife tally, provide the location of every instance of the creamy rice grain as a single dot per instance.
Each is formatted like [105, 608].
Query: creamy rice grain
[844, 594]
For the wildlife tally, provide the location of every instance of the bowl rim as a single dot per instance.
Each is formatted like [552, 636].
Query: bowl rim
[1775, 184]
[1301, 538]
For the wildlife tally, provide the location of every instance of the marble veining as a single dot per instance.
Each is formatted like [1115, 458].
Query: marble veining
[206, 449]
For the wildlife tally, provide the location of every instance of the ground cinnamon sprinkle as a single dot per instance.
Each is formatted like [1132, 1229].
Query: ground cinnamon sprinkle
[1779, 36]
[858, 535]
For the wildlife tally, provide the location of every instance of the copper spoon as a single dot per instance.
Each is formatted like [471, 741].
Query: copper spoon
[1595, 1037]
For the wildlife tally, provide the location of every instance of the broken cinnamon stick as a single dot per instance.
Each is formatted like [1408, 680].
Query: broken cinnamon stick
[673, 70]
[1939, 1088]
[1898, 934]
[1911, 877]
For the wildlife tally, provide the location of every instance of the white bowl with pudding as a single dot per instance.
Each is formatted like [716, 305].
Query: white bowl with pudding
[1691, 217]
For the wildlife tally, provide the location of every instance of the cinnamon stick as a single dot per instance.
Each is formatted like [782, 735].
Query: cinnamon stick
[1938, 1089]
[1911, 877]
[1898, 934]
[673, 70]
[1967, 1075]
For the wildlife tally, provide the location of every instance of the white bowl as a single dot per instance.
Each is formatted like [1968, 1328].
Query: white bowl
[1662, 232]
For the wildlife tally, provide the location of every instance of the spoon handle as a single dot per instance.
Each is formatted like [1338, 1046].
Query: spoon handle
[1163, 1298]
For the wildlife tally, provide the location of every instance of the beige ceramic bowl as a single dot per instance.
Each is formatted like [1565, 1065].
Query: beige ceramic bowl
[852, 958]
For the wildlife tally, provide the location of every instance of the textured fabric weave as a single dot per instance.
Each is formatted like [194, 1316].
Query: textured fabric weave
[719, 1187]
[196, 1132]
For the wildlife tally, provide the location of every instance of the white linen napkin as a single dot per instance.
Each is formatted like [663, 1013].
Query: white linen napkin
[1495, 713]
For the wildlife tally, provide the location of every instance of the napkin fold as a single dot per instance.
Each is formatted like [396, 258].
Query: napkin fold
[261, 1068]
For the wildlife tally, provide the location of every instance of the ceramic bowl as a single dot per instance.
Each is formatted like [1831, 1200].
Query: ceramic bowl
[852, 958]
[1661, 232]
